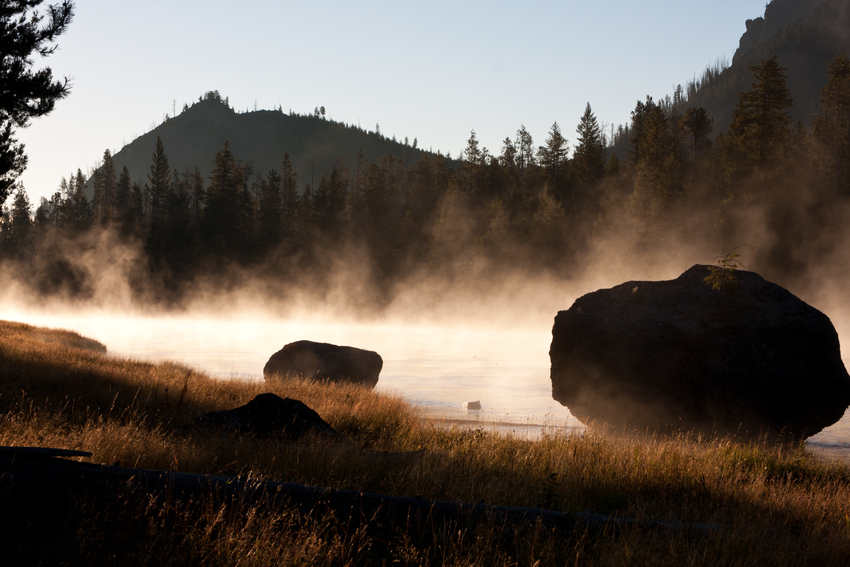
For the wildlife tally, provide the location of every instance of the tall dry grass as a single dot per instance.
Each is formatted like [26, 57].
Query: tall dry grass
[775, 505]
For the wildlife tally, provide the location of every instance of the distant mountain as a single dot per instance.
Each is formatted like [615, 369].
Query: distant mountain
[261, 138]
[805, 35]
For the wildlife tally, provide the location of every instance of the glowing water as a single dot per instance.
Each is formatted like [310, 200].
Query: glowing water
[435, 367]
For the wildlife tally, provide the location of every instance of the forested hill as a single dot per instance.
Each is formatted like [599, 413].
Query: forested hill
[260, 139]
[805, 35]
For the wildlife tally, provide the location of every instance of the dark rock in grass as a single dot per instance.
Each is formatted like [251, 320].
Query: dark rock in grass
[325, 362]
[269, 415]
[750, 359]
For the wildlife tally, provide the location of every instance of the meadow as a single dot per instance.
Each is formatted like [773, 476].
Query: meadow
[742, 503]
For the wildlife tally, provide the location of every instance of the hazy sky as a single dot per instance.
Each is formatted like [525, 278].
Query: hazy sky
[430, 70]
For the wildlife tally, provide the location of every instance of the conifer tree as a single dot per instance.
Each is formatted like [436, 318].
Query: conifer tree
[304, 233]
[108, 206]
[198, 199]
[759, 136]
[97, 196]
[122, 192]
[831, 127]
[525, 159]
[178, 225]
[20, 221]
[509, 153]
[658, 179]
[158, 195]
[289, 201]
[472, 153]
[553, 156]
[589, 155]
[24, 93]
[243, 214]
[43, 214]
[698, 126]
[218, 225]
[269, 211]
[80, 216]
[133, 220]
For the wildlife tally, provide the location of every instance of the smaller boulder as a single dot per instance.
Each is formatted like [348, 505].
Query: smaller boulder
[269, 415]
[324, 361]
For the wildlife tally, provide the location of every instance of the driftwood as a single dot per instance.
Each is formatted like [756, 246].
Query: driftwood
[43, 469]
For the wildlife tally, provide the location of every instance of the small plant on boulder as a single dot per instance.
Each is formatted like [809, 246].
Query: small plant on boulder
[722, 276]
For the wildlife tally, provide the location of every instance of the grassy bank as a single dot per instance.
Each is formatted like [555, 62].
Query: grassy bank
[777, 506]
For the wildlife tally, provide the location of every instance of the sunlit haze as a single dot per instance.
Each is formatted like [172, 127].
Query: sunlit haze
[432, 71]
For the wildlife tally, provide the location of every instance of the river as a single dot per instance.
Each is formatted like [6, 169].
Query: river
[435, 367]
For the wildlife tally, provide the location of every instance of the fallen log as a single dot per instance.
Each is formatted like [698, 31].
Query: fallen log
[44, 469]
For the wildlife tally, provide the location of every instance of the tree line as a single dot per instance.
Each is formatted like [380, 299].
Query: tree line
[536, 207]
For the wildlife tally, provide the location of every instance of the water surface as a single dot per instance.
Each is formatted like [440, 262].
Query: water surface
[434, 367]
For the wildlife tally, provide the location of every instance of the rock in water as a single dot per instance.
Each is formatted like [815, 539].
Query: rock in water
[325, 361]
[269, 415]
[748, 360]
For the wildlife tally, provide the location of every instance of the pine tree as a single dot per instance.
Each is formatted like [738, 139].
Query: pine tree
[553, 156]
[289, 202]
[20, 222]
[304, 233]
[122, 192]
[178, 226]
[243, 241]
[509, 153]
[133, 220]
[108, 207]
[24, 93]
[158, 194]
[218, 225]
[698, 127]
[589, 155]
[759, 136]
[472, 153]
[653, 155]
[270, 210]
[831, 127]
[525, 160]
[97, 196]
[198, 198]
[79, 208]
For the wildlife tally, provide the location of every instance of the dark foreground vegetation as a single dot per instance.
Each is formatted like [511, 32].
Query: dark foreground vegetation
[769, 505]
[550, 209]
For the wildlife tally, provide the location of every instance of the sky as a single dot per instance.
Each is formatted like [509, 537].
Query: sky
[433, 70]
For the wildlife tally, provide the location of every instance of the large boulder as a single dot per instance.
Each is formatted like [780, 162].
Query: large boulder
[750, 359]
[269, 415]
[325, 362]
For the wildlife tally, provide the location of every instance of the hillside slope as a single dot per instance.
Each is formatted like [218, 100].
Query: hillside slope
[804, 35]
[261, 138]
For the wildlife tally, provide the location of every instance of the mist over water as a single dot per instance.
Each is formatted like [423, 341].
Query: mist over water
[458, 331]
[435, 367]
[439, 349]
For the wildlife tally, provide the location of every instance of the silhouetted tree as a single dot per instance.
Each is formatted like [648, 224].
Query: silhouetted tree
[698, 126]
[589, 154]
[657, 180]
[20, 222]
[525, 159]
[108, 205]
[218, 226]
[831, 126]
[158, 194]
[553, 156]
[759, 136]
[76, 209]
[269, 212]
[122, 193]
[24, 93]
